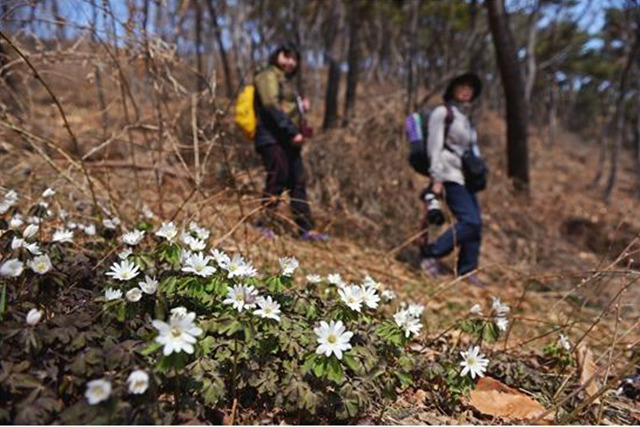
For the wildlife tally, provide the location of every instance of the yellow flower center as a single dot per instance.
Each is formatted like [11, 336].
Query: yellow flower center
[332, 339]
[175, 332]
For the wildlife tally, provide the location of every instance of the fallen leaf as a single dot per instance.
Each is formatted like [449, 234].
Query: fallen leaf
[587, 368]
[491, 397]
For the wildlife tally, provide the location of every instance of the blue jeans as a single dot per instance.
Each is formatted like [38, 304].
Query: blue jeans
[467, 232]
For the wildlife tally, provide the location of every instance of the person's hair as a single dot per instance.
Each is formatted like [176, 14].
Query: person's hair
[288, 47]
[468, 79]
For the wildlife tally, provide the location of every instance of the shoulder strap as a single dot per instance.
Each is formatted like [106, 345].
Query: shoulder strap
[447, 124]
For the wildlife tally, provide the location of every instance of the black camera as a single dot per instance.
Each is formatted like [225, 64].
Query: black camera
[434, 207]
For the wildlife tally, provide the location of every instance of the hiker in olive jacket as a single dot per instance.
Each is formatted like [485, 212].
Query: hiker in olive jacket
[278, 138]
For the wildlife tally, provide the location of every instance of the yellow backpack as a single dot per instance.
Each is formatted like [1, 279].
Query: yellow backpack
[245, 113]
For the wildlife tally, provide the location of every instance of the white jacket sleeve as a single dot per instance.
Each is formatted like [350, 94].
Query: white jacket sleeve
[435, 142]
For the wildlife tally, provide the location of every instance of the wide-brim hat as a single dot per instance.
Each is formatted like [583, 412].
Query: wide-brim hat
[469, 79]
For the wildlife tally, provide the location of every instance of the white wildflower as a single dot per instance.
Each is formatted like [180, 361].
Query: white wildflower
[16, 222]
[370, 296]
[288, 265]
[34, 220]
[97, 391]
[138, 382]
[500, 308]
[111, 223]
[16, 243]
[168, 231]
[564, 342]
[89, 230]
[197, 264]
[238, 267]
[501, 322]
[352, 296]
[178, 335]
[179, 312]
[147, 212]
[33, 316]
[133, 295]
[32, 248]
[473, 363]
[111, 294]
[62, 236]
[71, 225]
[40, 264]
[408, 322]
[476, 310]
[30, 231]
[416, 310]
[202, 233]
[336, 280]
[132, 238]
[149, 285]
[12, 268]
[314, 278]
[388, 295]
[48, 192]
[269, 309]
[196, 245]
[333, 338]
[242, 297]
[221, 258]
[125, 253]
[125, 270]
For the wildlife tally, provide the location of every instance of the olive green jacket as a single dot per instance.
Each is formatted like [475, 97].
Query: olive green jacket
[275, 106]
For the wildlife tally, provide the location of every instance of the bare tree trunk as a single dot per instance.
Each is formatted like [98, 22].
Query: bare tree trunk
[636, 136]
[604, 138]
[333, 60]
[517, 147]
[98, 72]
[531, 55]
[223, 53]
[618, 122]
[552, 110]
[59, 20]
[414, 8]
[353, 58]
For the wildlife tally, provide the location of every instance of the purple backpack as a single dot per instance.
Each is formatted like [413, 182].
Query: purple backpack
[417, 131]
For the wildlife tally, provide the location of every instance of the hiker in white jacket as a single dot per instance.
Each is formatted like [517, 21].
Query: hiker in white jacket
[447, 178]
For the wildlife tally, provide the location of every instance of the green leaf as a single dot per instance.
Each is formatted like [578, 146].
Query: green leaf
[309, 363]
[122, 312]
[3, 301]
[405, 380]
[320, 367]
[334, 370]
[352, 363]
[152, 347]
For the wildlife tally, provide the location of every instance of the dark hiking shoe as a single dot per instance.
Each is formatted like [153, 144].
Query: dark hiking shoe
[314, 236]
[474, 280]
[431, 267]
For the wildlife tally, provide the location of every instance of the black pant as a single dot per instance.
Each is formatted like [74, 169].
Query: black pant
[285, 171]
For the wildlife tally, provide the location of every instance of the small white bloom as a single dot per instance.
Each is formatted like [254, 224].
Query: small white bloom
[178, 335]
[147, 212]
[32, 248]
[125, 270]
[269, 309]
[132, 238]
[12, 268]
[370, 282]
[71, 225]
[564, 342]
[111, 223]
[125, 253]
[197, 264]
[30, 231]
[34, 220]
[501, 322]
[16, 222]
[476, 309]
[90, 230]
[133, 295]
[48, 192]
[168, 231]
[179, 312]
[500, 308]
[4, 207]
[149, 285]
[288, 265]
[11, 197]
[62, 236]
[388, 295]
[416, 310]
[40, 264]
[314, 278]
[336, 280]
[370, 297]
[33, 316]
[221, 258]
[111, 294]
[16, 243]
[63, 214]
[333, 338]
[196, 245]
[44, 205]
[352, 296]
[473, 363]
[408, 322]
[138, 382]
[97, 391]
[237, 267]
[185, 254]
[202, 233]
[242, 297]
